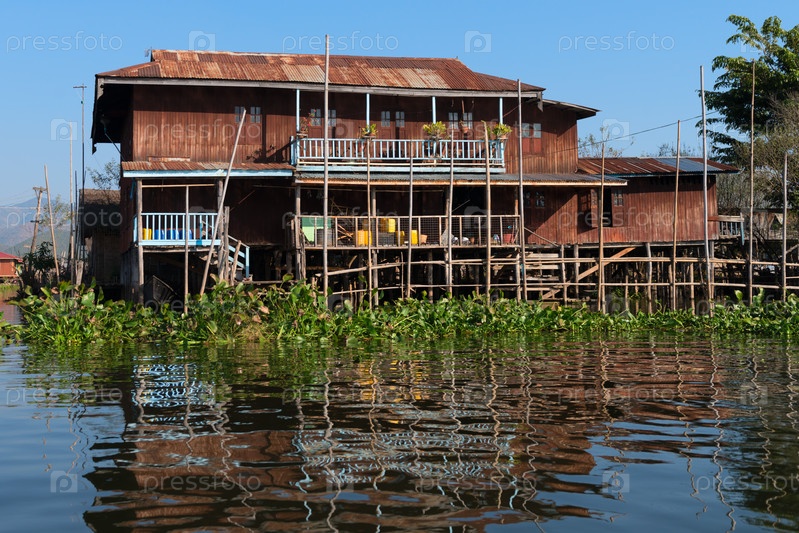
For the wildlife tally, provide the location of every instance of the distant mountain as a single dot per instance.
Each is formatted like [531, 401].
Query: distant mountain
[16, 228]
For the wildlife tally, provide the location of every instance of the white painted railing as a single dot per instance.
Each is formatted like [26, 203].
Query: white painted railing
[310, 151]
[162, 227]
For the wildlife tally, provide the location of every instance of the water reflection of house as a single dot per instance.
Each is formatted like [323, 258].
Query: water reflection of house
[380, 432]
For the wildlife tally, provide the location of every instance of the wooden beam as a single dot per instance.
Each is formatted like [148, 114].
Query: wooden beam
[586, 273]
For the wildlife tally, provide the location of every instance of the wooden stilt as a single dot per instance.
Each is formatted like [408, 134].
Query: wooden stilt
[649, 295]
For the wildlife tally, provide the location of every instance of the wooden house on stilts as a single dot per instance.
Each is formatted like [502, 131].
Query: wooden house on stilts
[406, 212]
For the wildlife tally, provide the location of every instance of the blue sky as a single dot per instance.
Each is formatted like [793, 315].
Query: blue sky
[638, 62]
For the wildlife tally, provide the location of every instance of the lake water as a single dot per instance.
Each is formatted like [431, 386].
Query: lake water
[658, 434]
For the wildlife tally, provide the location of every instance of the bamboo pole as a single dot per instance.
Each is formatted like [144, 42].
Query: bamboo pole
[751, 186]
[52, 225]
[325, 186]
[221, 209]
[186, 251]
[369, 281]
[71, 257]
[449, 234]
[139, 247]
[601, 210]
[410, 230]
[522, 234]
[708, 266]
[649, 278]
[785, 228]
[674, 227]
[38, 191]
[488, 208]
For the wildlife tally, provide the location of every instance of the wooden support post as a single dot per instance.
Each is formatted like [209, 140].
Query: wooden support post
[299, 236]
[448, 233]
[626, 288]
[52, 225]
[577, 272]
[410, 230]
[429, 275]
[674, 227]
[563, 278]
[186, 250]
[139, 247]
[371, 233]
[649, 278]
[488, 208]
[601, 230]
[373, 298]
[522, 234]
[691, 285]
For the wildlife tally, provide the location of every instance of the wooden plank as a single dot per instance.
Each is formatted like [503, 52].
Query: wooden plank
[586, 273]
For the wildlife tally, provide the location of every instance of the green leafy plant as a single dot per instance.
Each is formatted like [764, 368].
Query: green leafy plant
[500, 131]
[435, 130]
[370, 130]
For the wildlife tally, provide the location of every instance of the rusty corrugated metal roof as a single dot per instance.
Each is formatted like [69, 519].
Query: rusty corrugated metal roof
[360, 71]
[181, 166]
[638, 166]
[461, 178]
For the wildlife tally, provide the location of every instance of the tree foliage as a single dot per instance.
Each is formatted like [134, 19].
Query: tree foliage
[106, 178]
[591, 145]
[776, 68]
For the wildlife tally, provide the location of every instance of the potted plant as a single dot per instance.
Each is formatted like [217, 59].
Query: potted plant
[305, 123]
[500, 131]
[435, 130]
[369, 131]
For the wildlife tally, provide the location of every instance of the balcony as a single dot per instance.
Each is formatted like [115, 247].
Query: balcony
[396, 154]
[173, 230]
[426, 231]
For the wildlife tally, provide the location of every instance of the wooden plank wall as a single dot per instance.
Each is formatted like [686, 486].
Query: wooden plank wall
[198, 124]
[645, 217]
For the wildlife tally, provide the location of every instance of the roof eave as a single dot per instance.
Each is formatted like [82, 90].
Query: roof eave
[316, 87]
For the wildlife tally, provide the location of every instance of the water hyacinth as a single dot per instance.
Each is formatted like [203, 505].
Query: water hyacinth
[69, 315]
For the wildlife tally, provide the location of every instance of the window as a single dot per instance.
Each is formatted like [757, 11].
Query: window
[468, 120]
[613, 210]
[238, 111]
[385, 119]
[453, 121]
[540, 200]
[399, 117]
[316, 117]
[531, 131]
[532, 142]
[255, 114]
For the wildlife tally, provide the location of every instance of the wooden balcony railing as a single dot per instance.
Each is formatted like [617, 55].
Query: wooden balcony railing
[398, 152]
[426, 230]
[174, 229]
